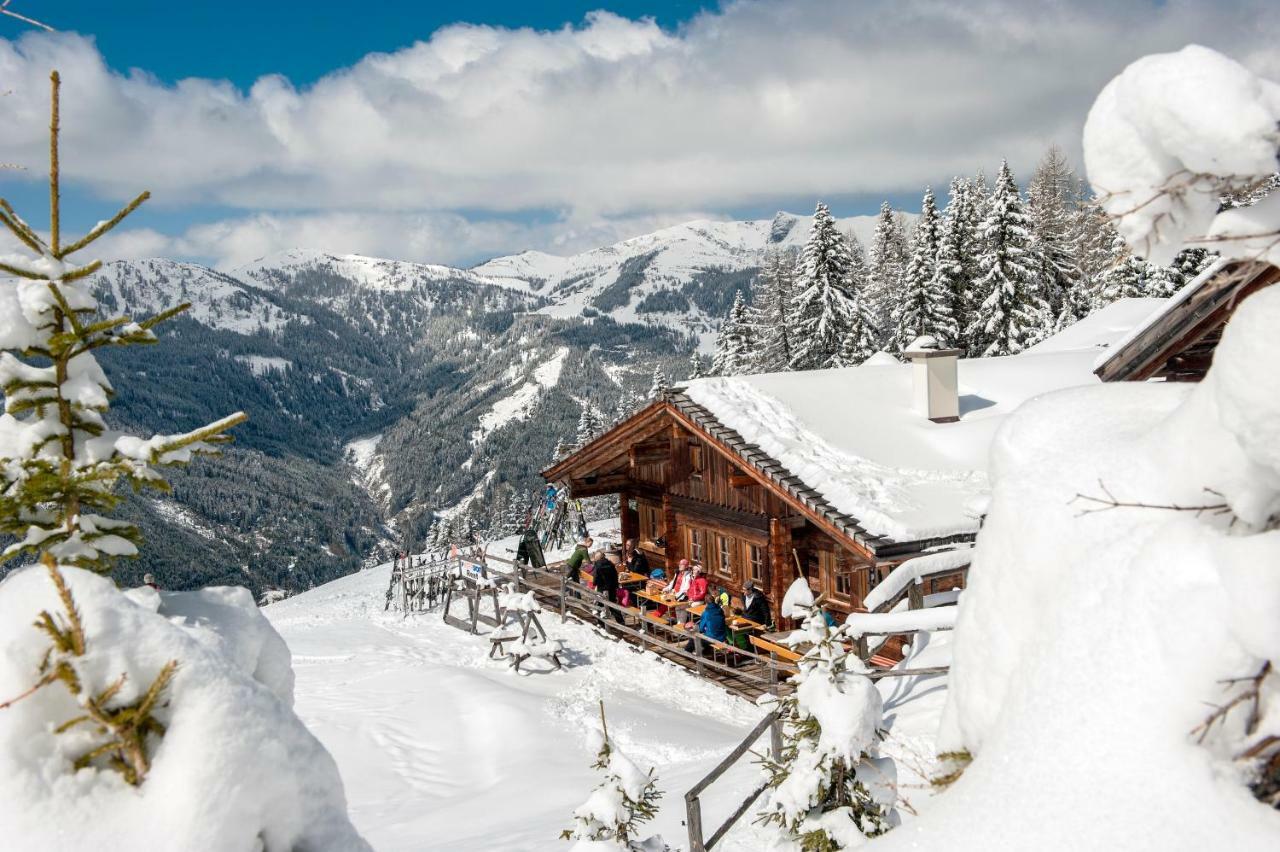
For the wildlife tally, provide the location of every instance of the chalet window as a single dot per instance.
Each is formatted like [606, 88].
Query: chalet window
[696, 461]
[724, 557]
[755, 562]
[649, 526]
[843, 581]
[697, 538]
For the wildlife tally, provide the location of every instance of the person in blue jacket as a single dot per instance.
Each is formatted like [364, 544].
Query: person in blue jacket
[711, 624]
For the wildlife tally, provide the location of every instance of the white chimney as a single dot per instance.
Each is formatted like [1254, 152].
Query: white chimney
[936, 387]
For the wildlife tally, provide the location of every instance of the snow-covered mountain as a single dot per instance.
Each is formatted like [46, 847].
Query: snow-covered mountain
[381, 392]
[683, 276]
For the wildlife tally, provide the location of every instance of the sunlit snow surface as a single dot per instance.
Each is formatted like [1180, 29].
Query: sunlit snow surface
[441, 748]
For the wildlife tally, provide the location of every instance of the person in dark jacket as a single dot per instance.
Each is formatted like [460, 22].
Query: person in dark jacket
[754, 606]
[711, 624]
[637, 562]
[573, 568]
[605, 577]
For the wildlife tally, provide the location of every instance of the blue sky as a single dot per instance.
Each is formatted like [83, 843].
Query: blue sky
[242, 40]
[451, 132]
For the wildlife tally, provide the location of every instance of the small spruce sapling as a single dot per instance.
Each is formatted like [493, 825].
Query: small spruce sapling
[624, 798]
[828, 790]
[60, 466]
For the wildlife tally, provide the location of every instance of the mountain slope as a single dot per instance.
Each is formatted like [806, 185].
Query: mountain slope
[382, 394]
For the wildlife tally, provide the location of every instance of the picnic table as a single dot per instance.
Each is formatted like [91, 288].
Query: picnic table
[736, 623]
[661, 599]
[628, 578]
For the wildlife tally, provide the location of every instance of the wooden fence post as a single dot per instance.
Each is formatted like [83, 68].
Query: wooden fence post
[697, 649]
[915, 596]
[563, 581]
[693, 810]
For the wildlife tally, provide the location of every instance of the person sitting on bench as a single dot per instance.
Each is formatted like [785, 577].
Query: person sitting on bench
[711, 625]
[636, 561]
[754, 605]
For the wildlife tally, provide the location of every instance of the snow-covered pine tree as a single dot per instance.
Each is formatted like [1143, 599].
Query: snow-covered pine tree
[735, 353]
[1133, 277]
[923, 302]
[61, 469]
[828, 789]
[863, 338]
[589, 426]
[1190, 262]
[774, 298]
[825, 312]
[659, 385]
[695, 365]
[433, 535]
[625, 798]
[628, 403]
[886, 259]
[958, 247]
[1093, 245]
[1049, 197]
[1013, 314]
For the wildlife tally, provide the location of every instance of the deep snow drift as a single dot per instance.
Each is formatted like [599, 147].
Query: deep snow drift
[235, 770]
[1089, 647]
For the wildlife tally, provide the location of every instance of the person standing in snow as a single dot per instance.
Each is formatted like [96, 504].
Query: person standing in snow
[605, 575]
[573, 568]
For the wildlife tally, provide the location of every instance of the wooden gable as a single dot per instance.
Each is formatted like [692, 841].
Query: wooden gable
[1179, 344]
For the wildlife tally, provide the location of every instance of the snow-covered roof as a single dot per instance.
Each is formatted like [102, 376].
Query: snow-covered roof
[854, 436]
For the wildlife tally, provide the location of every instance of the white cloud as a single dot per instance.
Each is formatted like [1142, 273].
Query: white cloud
[613, 121]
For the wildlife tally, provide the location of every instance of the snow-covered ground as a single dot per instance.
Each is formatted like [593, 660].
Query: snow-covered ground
[441, 748]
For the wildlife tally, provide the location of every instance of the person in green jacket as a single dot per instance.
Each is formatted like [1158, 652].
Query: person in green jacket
[573, 568]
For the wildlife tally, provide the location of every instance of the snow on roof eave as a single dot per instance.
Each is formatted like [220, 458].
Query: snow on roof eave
[1176, 300]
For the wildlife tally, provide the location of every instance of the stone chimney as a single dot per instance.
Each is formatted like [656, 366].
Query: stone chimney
[936, 387]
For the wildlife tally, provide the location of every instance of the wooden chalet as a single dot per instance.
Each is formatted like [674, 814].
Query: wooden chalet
[1176, 344]
[691, 486]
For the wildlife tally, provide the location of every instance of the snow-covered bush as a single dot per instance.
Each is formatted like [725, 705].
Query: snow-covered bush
[1172, 135]
[236, 770]
[828, 789]
[625, 798]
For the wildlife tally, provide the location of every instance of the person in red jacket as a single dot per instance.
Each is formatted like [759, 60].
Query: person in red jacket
[698, 588]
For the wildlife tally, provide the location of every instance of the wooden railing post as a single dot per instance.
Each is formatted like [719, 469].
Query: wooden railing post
[693, 809]
[563, 581]
[915, 596]
[697, 649]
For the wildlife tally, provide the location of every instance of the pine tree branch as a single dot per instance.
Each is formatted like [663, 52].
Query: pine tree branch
[104, 227]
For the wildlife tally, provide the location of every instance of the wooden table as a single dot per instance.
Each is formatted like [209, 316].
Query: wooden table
[668, 602]
[737, 623]
[627, 578]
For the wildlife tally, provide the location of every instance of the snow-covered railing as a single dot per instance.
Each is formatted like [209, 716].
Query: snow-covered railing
[692, 801]
[914, 573]
[910, 621]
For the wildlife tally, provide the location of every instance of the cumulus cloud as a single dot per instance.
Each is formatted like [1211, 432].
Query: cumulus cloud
[611, 121]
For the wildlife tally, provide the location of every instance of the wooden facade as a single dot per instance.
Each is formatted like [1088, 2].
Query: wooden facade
[1179, 344]
[686, 493]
